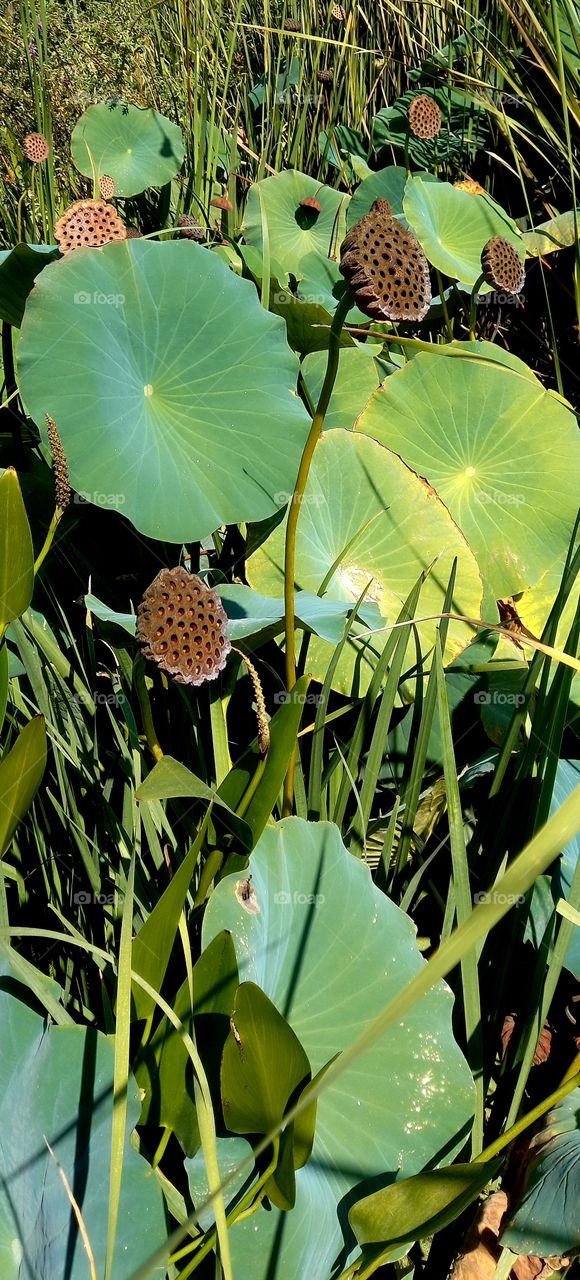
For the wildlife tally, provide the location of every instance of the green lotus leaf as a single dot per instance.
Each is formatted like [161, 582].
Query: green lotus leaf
[359, 374]
[557, 233]
[172, 388]
[567, 778]
[323, 284]
[454, 226]
[548, 890]
[294, 232]
[250, 613]
[464, 127]
[346, 150]
[136, 147]
[330, 951]
[231, 1153]
[19, 268]
[366, 510]
[307, 323]
[56, 1085]
[500, 451]
[387, 183]
[546, 1222]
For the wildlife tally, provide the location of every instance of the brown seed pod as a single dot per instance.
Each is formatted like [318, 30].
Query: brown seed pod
[190, 227]
[35, 147]
[182, 625]
[502, 266]
[133, 234]
[222, 202]
[291, 24]
[338, 13]
[88, 223]
[385, 267]
[107, 187]
[326, 76]
[425, 118]
[310, 202]
[469, 184]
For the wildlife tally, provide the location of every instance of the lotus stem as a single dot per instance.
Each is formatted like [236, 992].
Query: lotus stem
[145, 706]
[294, 511]
[473, 306]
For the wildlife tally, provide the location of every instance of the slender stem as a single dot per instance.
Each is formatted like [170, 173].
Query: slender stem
[473, 306]
[406, 153]
[294, 511]
[145, 706]
[441, 287]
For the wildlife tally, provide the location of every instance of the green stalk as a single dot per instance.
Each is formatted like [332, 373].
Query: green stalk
[473, 306]
[294, 512]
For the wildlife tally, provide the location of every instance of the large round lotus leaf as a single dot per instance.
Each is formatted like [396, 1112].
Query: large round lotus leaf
[502, 453]
[136, 147]
[294, 231]
[56, 1085]
[453, 226]
[330, 951]
[363, 502]
[173, 389]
